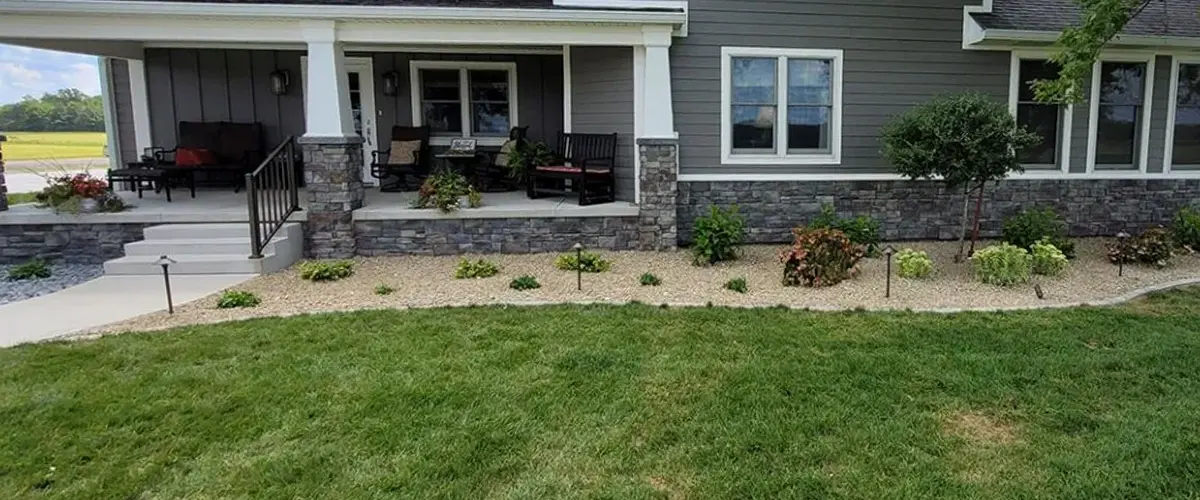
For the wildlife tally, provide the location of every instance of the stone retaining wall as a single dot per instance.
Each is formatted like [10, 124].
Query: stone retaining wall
[531, 235]
[911, 210]
[69, 243]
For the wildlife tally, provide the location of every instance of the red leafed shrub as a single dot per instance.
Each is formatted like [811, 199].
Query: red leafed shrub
[820, 257]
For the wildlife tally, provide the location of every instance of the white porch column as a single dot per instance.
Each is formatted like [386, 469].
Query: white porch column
[657, 115]
[327, 96]
[141, 105]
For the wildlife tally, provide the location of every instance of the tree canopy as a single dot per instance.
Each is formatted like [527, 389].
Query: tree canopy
[67, 110]
[1079, 46]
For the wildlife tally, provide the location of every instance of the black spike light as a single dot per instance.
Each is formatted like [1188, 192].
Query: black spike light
[888, 252]
[578, 266]
[166, 262]
[1123, 239]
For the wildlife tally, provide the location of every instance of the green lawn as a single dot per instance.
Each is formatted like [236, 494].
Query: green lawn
[617, 402]
[19, 198]
[49, 146]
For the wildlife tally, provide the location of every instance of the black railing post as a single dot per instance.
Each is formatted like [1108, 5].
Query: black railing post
[252, 200]
[293, 184]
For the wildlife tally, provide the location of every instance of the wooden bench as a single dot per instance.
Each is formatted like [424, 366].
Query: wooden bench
[588, 160]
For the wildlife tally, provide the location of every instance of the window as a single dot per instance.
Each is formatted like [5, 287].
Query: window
[1118, 114]
[465, 99]
[1186, 144]
[1044, 120]
[781, 106]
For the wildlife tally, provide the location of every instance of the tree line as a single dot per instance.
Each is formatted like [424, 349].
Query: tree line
[67, 110]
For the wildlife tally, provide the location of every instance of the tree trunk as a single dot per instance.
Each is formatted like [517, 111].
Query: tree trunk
[978, 213]
[966, 219]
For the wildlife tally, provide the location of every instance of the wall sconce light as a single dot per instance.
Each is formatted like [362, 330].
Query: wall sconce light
[391, 83]
[280, 81]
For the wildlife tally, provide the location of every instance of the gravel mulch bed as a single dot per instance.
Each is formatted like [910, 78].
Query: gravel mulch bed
[428, 281]
[63, 276]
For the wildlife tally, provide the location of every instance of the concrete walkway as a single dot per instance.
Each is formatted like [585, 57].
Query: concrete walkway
[99, 302]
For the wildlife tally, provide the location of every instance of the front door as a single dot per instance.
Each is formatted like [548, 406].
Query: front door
[362, 108]
[360, 75]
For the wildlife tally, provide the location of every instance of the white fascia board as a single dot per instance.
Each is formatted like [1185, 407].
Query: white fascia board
[1002, 36]
[295, 11]
[670, 5]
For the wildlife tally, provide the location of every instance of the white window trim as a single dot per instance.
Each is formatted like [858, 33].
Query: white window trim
[1014, 89]
[1172, 109]
[1147, 107]
[464, 94]
[834, 157]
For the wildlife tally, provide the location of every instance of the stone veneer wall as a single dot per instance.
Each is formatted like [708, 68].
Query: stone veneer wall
[69, 243]
[333, 178]
[912, 210]
[526, 235]
[658, 193]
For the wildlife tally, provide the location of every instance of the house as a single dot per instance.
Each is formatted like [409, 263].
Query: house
[695, 89]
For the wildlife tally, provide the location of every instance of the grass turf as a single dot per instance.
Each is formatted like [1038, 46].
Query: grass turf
[617, 402]
[19, 198]
[49, 146]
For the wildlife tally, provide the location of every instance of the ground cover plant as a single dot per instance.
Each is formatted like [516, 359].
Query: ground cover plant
[1047, 260]
[32, 270]
[326, 270]
[481, 268]
[737, 285]
[232, 299]
[588, 262]
[616, 402]
[524, 282]
[649, 279]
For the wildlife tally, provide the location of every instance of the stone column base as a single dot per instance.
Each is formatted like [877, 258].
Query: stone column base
[3, 187]
[333, 179]
[657, 228]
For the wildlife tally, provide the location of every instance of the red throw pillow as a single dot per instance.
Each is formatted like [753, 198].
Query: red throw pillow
[193, 157]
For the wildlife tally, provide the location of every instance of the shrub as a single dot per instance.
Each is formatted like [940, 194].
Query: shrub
[820, 257]
[326, 270]
[914, 263]
[1003, 264]
[861, 230]
[34, 269]
[478, 269]
[1048, 260]
[1152, 247]
[589, 262]
[737, 285]
[966, 141]
[525, 282]
[1185, 230]
[442, 190]
[232, 299]
[1034, 225]
[650, 280]
[718, 235]
[383, 289]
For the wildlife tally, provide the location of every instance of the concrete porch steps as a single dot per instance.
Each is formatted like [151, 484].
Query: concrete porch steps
[207, 249]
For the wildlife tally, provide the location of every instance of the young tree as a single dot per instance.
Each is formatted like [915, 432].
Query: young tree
[965, 140]
[1080, 46]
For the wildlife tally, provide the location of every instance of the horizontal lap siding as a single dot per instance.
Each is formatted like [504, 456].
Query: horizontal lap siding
[123, 101]
[602, 103]
[897, 54]
[235, 85]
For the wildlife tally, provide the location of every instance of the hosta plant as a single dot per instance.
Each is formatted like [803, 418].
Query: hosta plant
[1003, 264]
[820, 257]
[588, 262]
[914, 263]
[1048, 260]
[481, 268]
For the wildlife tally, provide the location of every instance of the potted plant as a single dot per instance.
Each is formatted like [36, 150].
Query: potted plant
[447, 190]
[79, 193]
[526, 155]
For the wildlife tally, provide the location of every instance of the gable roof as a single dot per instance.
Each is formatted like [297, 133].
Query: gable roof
[486, 4]
[1160, 18]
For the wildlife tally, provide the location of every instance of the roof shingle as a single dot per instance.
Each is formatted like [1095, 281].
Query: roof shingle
[498, 4]
[1160, 18]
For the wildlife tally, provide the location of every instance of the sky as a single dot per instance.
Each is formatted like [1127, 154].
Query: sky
[25, 71]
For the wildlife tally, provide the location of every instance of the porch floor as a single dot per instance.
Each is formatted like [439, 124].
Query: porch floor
[223, 205]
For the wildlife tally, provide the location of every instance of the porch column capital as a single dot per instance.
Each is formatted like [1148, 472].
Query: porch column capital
[327, 92]
[656, 36]
[319, 31]
[657, 115]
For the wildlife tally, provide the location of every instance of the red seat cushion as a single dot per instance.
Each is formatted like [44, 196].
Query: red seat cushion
[563, 169]
[193, 157]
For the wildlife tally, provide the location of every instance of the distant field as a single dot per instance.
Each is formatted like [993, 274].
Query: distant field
[50, 146]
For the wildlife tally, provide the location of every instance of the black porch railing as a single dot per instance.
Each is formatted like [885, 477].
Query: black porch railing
[274, 195]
